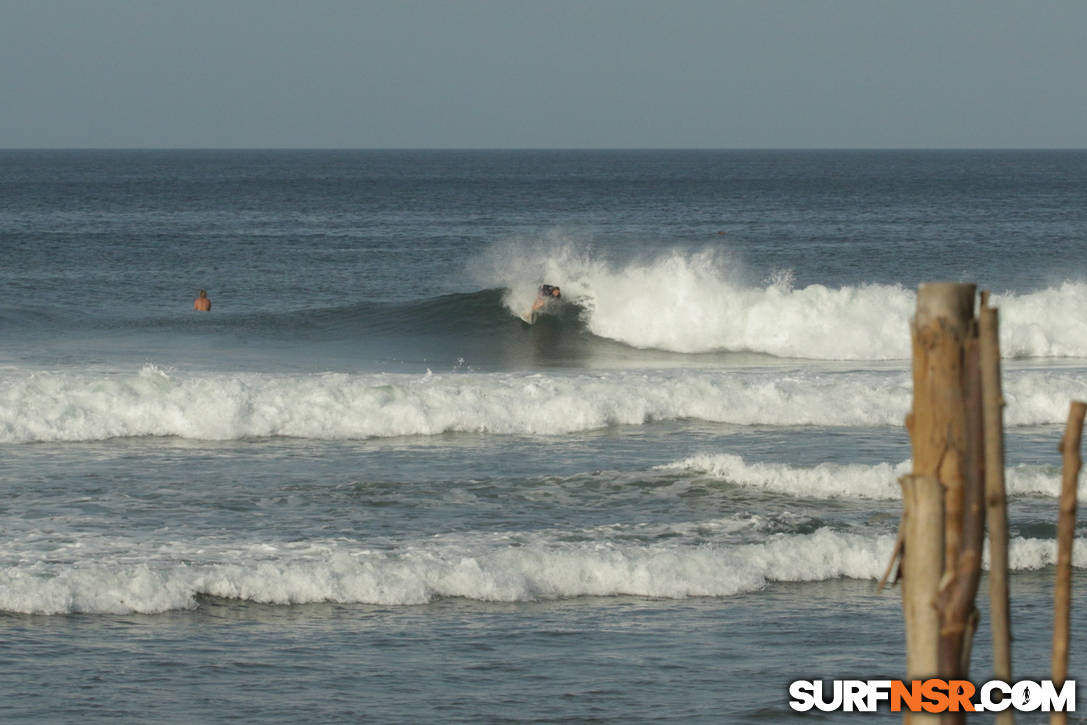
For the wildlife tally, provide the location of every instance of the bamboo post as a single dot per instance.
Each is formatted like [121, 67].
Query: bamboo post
[995, 497]
[921, 562]
[1066, 531]
[965, 523]
[940, 498]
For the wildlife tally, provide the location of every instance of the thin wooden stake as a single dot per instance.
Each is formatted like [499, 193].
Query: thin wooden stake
[1066, 531]
[897, 552]
[996, 497]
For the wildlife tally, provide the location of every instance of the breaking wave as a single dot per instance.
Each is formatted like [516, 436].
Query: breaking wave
[227, 406]
[492, 569]
[850, 481]
[698, 302]
[486, 569]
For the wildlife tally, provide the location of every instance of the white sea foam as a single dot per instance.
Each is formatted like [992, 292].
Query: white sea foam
[825, 480]
[1047, 323]
[698, 301]
[854, 480]
[494, 569]
[98, 406]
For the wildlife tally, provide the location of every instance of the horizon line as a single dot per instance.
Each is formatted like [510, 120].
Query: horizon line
[546, 148]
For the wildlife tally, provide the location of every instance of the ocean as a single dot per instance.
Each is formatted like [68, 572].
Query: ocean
[360, 489]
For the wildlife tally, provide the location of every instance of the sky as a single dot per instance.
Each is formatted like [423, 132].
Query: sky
[731, 74]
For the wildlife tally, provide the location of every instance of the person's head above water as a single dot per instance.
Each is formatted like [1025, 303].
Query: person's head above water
[548, 290]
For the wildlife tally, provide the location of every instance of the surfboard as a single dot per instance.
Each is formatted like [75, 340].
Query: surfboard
[529, 318]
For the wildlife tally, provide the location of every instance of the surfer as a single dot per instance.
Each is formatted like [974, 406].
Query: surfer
[202, 302]
[547, 293]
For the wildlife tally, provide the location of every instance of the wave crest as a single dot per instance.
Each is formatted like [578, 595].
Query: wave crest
[489, 571]
[492, 571]
[333, 406]
[695, 302]
[849, 481]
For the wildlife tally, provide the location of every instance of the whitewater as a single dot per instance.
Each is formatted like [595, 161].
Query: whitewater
[838, 480]
[61, 406]
[692, 302]
[539, 568]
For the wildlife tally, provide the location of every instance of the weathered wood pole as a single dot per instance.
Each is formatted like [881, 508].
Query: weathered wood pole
[964, 532]
[943, 505]
[995, 496]
[1066, 531]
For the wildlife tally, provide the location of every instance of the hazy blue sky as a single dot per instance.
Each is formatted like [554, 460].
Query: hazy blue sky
[543, 73]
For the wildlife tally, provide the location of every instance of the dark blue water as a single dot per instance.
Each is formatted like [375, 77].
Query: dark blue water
[361, 487]
[142, 228]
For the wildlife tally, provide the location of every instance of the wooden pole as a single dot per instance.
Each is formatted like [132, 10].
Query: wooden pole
[996, 497]
[936, 495]
[922, 560]
[962, 566]
[1066, 531]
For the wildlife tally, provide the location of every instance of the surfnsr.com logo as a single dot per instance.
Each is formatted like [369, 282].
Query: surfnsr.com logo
[932, 695]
